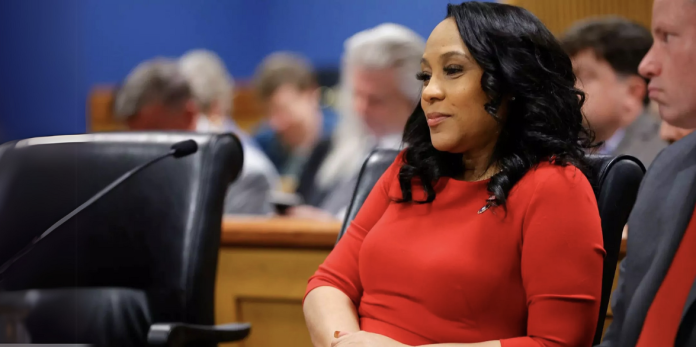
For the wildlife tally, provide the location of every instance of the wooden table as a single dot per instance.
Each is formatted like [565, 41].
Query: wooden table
[263, 270]
[279, 232]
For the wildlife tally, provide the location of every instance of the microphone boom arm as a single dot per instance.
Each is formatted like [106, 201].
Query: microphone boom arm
[84, 205]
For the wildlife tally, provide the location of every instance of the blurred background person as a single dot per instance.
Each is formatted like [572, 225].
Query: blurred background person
[297, 125]
[378, 93]
[156, 95]
[606, 53]
[212, 87]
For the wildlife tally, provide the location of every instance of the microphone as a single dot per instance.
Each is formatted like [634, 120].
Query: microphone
[184, 148]
[177, 150]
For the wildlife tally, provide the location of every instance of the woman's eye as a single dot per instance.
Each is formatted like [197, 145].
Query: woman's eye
[452, 69]
[423, 76]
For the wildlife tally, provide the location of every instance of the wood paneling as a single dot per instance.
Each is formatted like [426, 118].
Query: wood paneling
[263, 270]
[265, 286]
[276, 322]
[559, 15]
[247, 111]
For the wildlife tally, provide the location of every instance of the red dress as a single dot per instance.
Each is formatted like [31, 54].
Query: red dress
[442, 273]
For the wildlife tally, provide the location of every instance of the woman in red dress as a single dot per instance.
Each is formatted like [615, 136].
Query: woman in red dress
[484, 231]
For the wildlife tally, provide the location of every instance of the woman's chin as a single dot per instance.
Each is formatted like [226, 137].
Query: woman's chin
[441, 144]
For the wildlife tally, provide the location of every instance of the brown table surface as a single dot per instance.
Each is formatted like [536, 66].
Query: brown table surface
[289, 232]
[250, 231]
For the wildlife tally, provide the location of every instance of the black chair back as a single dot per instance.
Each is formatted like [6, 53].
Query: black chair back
[615, 181]
[372, 169]
[158, 232]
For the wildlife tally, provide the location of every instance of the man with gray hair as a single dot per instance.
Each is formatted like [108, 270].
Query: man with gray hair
[212, 88]
[157, 95]
[378, 93]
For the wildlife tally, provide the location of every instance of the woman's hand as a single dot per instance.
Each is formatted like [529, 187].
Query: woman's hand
[363, 339]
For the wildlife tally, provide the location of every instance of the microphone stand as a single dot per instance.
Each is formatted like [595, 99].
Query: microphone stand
[177, 150]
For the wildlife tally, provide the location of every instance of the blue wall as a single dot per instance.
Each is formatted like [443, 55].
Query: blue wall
[40, 70]
[318, 28]
[53, 52]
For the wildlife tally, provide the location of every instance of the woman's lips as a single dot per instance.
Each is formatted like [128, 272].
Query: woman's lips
[436, 118]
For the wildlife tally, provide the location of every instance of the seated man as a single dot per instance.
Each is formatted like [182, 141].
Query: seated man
[378, 94]
[606, 53]
[298, 127]
[653, 303]
[212, 87]
[157, 96]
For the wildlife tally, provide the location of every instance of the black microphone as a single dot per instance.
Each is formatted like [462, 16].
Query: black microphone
[177, 150]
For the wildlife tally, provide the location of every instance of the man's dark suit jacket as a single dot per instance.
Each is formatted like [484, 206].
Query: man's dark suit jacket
[663, 209]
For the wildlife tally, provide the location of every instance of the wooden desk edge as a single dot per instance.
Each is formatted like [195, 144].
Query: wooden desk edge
[278, 232]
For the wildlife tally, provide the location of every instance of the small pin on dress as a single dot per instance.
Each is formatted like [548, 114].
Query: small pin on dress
[490, 202]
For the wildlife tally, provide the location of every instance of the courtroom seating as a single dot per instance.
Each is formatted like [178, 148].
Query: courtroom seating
[152, 242]
[615, 182]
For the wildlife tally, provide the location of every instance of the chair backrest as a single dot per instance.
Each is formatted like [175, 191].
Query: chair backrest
[158, 232]
[615, 181]
[372, 169]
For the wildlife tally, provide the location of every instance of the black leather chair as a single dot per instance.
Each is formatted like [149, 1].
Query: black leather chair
[145, 254]
[615, 181]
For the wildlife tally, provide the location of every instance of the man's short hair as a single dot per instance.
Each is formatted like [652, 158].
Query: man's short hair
[616, 40]
[158, 79]
[279, 69]
[209, 79]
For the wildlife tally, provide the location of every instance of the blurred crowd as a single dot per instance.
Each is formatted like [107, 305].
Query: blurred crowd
[305, 159]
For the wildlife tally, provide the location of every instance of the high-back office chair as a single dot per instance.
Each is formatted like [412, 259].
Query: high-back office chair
[615, 181]
[152, 242]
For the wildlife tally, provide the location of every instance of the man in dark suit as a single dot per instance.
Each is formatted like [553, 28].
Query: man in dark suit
[654, 302]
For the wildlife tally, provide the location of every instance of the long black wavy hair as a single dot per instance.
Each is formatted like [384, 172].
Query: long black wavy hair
[523, 63]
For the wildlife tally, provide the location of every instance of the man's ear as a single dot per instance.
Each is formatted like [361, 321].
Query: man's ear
[636, 90]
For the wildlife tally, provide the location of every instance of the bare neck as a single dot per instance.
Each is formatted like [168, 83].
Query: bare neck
[477, 164]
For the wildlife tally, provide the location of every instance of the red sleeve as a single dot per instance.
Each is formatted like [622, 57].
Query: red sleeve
[562, 256]
[340, 269]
